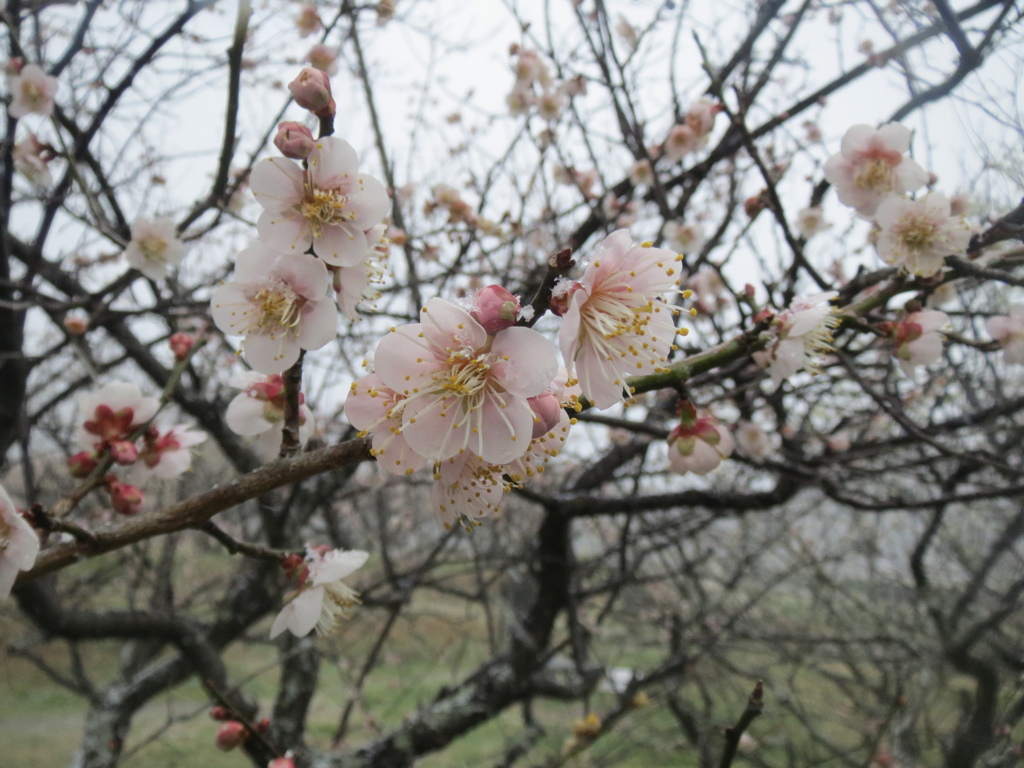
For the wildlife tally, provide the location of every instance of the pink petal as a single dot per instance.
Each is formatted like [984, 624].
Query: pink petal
[369, 201]
[910, 176]
[529, 362]
[444, 323]
[856, 139]
[276, 183]
[255, 263]
[895, 137]
[244, 416]
[341, 245]
[405, 361]
[319, 325]
[286, 232]
[336, 565]
[305, 274]
[268, 354]
[231, 309]
[300, 615]
[331, 161]
[437, 428]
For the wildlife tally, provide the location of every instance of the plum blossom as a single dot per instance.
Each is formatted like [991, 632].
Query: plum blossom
[681, 141]
[463, 388]
[918, 234]
[258, 411]
[324, 58]
[495, 309]
[870, 166]
[32, 158]
[32, 92]
[278, 303]
[322, 598]
[811, 221]
[372, 408]
[684, 238]
[801, 331]
[916, 339]
[112, 414]
[1008, 330]
[466, 488]
[329, 206]
[753, 442]
[615, 324]
[355, 287]
[698, 444]
[19, 544]
[166, 454]
[701, 118]
[641, 173]
[154, 247]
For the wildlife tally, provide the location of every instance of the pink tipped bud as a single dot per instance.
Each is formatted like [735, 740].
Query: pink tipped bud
[220, 713]
[294, 140]
[13, 66]
[181, 345]
[124, 497]
[231, 734]
[546, 411]
[281, 762]
[76, 325]
[754, 205]
[82, 464]
[124, 452]
[312, 90]
[495, 309]
[263, 725]
[959, 205]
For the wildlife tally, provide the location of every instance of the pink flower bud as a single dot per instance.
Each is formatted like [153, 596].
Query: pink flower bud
[220, 713]
[124, 452]
[124, 497]
[312, 90]
[547, 411]
[263, 725]
[495, 309]
[294, 140]
[82, 464]
[13, 66]
[181, 345]
[281, 762]
[76, 325]
[231, 734]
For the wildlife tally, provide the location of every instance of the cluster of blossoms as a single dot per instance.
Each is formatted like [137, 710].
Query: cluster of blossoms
[116, 428]
[872, 176]
[535, 89]
[692, 134]
[321, 244]
[19, 544]
[481, 398]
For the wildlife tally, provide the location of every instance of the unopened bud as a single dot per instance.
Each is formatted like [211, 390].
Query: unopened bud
[82, 464]
[312, 90]
[263, 725]
[124, 497]
[495, 309]
[124, 452]
[76, 325]
[231, 734]
[281, 762]
[220, 713]
[547, 411]
[181, 345]
[294, 140]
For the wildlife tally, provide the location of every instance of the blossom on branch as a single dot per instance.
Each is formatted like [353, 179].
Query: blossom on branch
[19, 544]
[32, 92]
[112, 414]
[916, 339]
[329, 206]
[918, 234]
[166, 454]
[278, 303]
[322, 598]
[154, 247]
[616, 325]
[698, 444]
[465, 389]
[259, 411]
[1008, 330]
[373, 408]
[870, 166]
[801, 332]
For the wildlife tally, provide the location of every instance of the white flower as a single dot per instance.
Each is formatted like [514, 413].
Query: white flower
[278, 303]
[154, 247]
[166, 454]
[19, 544]
[31, 160]
[917, 340]
[259, 411]
[32, 92]
[698, 444]
[1008, 330]
[329, 206]
[684, 238]
[323, 598]
[616, 324]
[871, 166]
[112, 414]
[753, 442]
[802, 331]
[919, 234]
[811, 221]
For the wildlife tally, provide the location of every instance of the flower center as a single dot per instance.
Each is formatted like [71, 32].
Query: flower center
[611, 316]
[467, 374]
[875, 176]
[339, 599]
[153, 247]
[323, 207]
[918, 235]
[278, 308]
